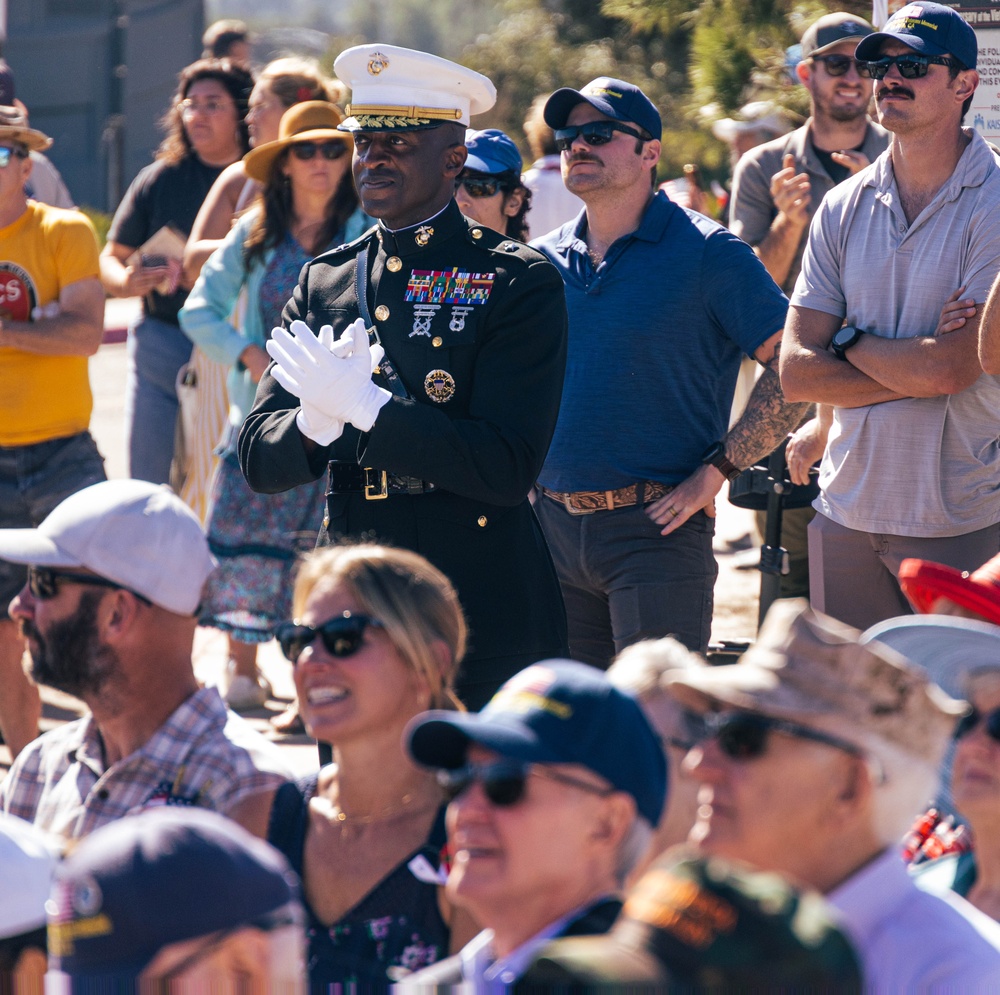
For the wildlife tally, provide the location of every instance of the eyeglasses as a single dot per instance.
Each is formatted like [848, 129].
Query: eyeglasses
[837, 65]
[743, 735]
[595, 133]
[504, 783]
[209, 106]
[43, 582]
[342, 636]
[304, 151]
[968, 723]
[7, 153]
[477, 188]
[909, 66]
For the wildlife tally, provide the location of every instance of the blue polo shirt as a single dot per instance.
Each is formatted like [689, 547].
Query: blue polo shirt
[656, 334]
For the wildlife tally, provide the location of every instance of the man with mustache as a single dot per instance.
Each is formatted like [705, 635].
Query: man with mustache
[662, 304]
[115, 574]
[438, 452]
[912, 465]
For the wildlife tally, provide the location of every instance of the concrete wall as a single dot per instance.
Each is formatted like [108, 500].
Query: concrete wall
[97, 75]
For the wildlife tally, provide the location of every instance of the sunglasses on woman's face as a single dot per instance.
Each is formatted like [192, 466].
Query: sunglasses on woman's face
[341, 636]
[504, 783]
[480, 188]
[304, 151]
[968, 723]
[909, 66]
[744, 735]
[6, 154]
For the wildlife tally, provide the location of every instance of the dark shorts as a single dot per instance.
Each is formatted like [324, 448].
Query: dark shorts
[33, 480]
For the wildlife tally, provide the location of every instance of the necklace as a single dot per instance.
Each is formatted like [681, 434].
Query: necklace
[405, 806]
[595, 256]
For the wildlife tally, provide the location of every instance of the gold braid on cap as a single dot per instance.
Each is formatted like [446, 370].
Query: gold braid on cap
[391, 112]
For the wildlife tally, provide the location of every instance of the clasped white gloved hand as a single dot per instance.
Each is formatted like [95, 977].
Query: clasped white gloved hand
[331, 378]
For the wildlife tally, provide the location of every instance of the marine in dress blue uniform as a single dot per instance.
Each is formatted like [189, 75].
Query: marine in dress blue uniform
[456, 422]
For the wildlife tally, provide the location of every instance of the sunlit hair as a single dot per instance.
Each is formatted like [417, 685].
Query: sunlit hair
[413, 600]
[294, 79]
[237, 81]
[541, 139]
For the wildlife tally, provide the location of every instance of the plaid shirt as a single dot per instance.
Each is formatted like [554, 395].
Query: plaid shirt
[202, 755]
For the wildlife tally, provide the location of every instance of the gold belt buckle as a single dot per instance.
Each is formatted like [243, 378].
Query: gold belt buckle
[377, 489]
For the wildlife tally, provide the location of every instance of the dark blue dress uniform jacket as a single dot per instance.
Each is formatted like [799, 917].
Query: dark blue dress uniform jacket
[478, 321]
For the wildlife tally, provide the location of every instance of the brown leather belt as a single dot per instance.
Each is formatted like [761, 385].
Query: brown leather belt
[587, 502]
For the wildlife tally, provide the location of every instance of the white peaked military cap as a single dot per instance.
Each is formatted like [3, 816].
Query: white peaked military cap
[394, 89]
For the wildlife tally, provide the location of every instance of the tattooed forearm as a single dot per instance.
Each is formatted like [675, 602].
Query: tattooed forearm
[765, 421]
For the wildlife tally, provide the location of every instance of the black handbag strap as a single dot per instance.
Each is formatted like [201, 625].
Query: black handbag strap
[385, 371]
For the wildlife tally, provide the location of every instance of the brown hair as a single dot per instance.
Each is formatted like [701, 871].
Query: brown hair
[294, 79]
[413, 600]
[237, 80]
[541, 140]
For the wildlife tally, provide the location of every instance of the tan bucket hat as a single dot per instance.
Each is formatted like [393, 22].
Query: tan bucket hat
[309, 121]
[14, 128]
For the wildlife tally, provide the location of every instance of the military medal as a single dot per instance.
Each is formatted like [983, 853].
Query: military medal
[440, 386]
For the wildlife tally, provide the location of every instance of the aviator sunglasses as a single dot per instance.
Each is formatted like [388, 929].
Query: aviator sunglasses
[909, 66]
[968, 723]
[594, 133]
[304, 151]
[837, 65]
[342, 636]
[744, 735]
[43, 582]
[504, 783]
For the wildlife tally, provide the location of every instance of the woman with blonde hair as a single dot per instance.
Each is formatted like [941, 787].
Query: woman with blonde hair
[377, 639]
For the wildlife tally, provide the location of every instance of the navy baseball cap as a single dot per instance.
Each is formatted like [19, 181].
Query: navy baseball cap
[561, 712]
[613, 97]
[491, 151]
[146, 881]
[928, 28]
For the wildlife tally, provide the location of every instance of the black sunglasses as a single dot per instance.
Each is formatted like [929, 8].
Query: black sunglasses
[304, 151]
[43, 582]
[342, 636]
[967, 723]
[909, 66]
[743, 735]
[504, 782]
[837, 65]
[595, 133]
[475, 187]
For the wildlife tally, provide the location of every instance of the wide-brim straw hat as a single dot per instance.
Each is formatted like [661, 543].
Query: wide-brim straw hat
[14, 128]
[309, 121]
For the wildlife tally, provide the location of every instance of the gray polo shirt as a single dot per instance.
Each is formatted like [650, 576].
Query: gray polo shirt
[923, 467]
[753, 211]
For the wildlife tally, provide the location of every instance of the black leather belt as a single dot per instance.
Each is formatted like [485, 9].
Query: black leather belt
[350, 478]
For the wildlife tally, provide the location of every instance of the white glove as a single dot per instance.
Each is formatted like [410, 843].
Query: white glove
[332, 379]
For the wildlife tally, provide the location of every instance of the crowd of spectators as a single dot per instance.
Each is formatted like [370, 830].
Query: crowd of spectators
[506, 455]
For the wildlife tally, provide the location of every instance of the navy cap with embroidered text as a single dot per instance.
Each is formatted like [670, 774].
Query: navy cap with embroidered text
[556, 711]
[928, 28]
[617, 99]
[157, 878]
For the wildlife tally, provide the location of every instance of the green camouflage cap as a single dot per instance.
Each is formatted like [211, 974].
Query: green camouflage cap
[708, 924]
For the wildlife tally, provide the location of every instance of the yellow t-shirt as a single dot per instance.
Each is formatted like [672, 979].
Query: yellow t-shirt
[43, 397]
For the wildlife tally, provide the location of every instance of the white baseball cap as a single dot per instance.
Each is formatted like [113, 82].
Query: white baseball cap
[28, 859]
[138, 534]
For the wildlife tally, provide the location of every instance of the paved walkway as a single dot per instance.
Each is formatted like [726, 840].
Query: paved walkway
[735, 596]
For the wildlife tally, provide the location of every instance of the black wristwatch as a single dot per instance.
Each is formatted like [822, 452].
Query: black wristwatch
[843, 339]
[716, 456]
